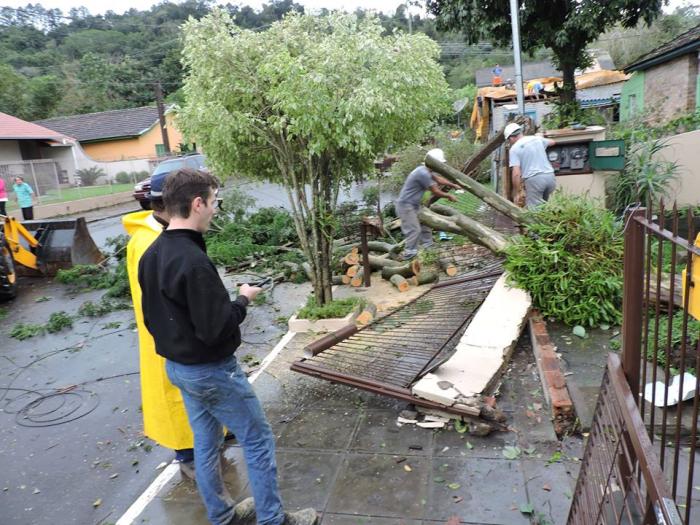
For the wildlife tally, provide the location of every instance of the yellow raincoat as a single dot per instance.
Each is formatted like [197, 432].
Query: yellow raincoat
[164, 417]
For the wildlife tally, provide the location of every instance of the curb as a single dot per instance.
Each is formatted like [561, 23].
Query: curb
[553, 381]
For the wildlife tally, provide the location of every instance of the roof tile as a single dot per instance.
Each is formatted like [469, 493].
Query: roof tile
[13, 128]
[104, 125]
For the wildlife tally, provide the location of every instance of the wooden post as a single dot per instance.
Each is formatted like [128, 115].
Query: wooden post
[365, 255]
[161, 117]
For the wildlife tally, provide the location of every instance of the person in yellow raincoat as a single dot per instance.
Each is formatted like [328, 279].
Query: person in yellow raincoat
[164, 416]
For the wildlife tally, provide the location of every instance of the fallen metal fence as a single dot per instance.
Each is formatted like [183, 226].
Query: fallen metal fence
[389, 355]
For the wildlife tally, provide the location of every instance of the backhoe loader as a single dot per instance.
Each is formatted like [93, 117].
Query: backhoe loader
[42, 247]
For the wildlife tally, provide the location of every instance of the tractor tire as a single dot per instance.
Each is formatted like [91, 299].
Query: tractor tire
[8, 275]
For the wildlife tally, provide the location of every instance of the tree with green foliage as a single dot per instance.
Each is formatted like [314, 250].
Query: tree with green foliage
[307, 103]
[564, 26]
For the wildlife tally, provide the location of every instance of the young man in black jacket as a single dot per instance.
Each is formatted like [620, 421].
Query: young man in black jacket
[195, 326]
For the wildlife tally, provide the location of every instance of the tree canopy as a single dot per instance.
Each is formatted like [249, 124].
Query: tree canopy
[309, 103]
[566, 27]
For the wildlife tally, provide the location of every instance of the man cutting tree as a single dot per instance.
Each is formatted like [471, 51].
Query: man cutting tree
[417, 182]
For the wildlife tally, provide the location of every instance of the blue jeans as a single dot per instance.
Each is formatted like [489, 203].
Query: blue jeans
[218, 394]
[416, 233]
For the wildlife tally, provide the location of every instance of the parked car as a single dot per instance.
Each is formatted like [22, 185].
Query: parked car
[143, 188]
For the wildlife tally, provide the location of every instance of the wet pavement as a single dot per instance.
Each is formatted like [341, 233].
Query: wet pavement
[341, 451]
[71, 438]
[77, 454]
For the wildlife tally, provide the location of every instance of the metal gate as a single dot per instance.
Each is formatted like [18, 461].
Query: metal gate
[651, 451]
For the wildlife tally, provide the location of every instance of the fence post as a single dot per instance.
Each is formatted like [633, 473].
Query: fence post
[57, 178]
[36, 185]
[632, 295]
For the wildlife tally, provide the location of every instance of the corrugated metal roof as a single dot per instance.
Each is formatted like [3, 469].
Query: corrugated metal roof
[105, 125]
[13, 128]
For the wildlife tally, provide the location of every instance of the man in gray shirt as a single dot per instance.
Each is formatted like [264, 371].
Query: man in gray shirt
[531, 169]
[408, 204]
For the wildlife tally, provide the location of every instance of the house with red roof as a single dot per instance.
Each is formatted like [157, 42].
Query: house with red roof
[44, 157]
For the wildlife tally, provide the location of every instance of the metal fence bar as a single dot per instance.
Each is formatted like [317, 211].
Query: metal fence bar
[657, 332]
[607, 491]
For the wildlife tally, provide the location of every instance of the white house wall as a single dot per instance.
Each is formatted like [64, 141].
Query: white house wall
[74, 158]
[683, 149]
[9, 151]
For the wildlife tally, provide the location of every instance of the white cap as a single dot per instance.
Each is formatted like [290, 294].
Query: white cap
[437, 154]
[512, 129]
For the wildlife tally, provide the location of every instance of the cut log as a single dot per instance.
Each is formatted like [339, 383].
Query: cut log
[379, 262]
[444, 218]
[479, 190]
[357, 280]
[448, 266]
[427, 277]
[408, 269]
[413, 281]
[352, 270]
[345, 279]
[355, 250]
[338, 279]
[351, 259]
[367, 315]
[399, 282]
[385, 247]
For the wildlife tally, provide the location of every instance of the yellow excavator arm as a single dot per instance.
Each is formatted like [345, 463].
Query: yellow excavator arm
[14, 231]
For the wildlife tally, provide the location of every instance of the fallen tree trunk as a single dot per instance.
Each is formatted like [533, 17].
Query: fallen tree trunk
[379, 262]
[492, 145]
[405, 270]
[455, 222]
[482, 192]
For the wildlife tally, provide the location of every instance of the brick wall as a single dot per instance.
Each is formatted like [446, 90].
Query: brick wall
[669, 88]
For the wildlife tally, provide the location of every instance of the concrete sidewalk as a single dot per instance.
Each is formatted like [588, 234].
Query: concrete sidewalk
[340, 451]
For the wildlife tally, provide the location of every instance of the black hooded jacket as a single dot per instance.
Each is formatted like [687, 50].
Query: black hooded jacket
[186, 307]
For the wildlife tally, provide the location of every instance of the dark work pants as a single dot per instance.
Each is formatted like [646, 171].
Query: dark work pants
[28, 213]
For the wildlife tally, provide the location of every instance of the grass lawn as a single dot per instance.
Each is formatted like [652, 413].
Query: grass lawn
[73, 194]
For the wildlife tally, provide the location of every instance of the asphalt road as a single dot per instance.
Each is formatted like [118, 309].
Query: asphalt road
[71, 443]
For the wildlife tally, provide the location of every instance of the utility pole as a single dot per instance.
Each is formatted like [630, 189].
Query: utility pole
[161, 117]
[515, 23]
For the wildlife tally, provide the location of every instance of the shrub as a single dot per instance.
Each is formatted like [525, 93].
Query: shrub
[645, 178]
[237, 203]
[571, 261]
[123, 178]
[334, 309]
[88, 176]
[232, 239]
[370, 196]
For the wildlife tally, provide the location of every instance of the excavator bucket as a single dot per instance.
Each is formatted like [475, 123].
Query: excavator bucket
[63, 243]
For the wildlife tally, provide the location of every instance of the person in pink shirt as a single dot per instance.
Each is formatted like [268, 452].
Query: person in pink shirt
[3, 197]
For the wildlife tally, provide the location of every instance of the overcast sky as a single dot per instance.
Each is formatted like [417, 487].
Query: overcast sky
[119, 6]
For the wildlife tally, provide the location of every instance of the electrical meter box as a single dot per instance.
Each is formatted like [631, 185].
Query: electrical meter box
[571, 158]
[693, 292]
